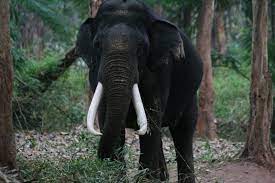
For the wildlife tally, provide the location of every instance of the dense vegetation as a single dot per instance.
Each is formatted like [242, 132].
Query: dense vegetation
[62, 104]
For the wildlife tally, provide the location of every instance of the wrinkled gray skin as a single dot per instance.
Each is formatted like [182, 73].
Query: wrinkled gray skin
[127, 44]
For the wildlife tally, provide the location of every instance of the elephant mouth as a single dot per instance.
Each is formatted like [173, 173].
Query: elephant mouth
[138, 105]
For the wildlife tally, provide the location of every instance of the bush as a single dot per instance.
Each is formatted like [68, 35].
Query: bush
[58, 107]
[231, 103]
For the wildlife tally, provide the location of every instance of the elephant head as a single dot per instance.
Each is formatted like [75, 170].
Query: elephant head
[123, 40]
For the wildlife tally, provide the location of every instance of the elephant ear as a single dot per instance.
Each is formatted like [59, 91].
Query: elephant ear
[165, 44]
[84, 42]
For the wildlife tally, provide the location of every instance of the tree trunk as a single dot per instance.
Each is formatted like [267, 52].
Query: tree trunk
[258, 147]
[7, 139]
[158, 9]
[32, 36]
[186, 20]
[220, 32]
[206, 121]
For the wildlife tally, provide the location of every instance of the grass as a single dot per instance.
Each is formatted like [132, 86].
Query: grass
[231, 103]
[84, 168]
[60, 107]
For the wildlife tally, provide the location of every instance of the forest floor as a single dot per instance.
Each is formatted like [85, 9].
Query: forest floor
[215, 161]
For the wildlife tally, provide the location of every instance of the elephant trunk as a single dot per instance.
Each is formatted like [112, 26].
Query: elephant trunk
[118, 80]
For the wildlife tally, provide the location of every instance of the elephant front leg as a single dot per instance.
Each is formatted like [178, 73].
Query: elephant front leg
[149, 152]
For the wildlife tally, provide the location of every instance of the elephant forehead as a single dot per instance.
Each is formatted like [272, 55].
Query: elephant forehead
[119, 9]
[113, 5]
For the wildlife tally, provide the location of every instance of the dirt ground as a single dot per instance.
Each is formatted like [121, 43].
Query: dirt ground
[215, 161]
[239, 172]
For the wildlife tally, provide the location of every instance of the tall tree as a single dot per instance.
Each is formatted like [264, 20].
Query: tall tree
[220, 31]
[258, 145]
[206, 121]
[7, 139]
[158, 8]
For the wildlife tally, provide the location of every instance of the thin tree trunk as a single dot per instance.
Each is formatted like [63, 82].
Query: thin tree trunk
[158, 8]
[206, 121]
[186, 20]
[32, 36]
[258, 146]
[7, 139]
[220, 32]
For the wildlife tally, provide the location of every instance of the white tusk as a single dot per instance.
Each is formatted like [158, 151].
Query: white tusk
[93, 109]
[141, 116]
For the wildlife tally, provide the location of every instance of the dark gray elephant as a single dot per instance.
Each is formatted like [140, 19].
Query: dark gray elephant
[145, 74]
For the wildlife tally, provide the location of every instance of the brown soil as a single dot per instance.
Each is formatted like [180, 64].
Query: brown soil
[240, 172]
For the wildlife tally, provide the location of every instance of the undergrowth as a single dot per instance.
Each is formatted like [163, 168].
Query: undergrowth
[231, 103]
[58, 107]
[79, 168]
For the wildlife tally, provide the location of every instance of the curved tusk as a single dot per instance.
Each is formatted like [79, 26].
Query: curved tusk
[93, 109]
[141, 116]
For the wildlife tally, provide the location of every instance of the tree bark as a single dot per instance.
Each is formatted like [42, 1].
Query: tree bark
[258, 147]
[7, 139]
[206, 121]
[220, 32]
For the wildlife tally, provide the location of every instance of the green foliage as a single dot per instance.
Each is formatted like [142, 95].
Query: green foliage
[208, 156]
[247, 9]
[225, 4]
[271, 59]
[231, 102]
[48, 12]
[83, 169]
[64, 99]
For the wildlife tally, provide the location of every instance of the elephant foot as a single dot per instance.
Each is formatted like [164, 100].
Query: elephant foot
[146, 176]
[186, 178]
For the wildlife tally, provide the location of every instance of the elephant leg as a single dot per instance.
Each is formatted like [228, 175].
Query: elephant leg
[182, 135]
[149, 152]
[162, 165]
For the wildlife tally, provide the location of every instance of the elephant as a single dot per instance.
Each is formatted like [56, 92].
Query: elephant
[145, 74]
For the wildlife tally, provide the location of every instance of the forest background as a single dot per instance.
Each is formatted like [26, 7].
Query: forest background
[50, 96]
